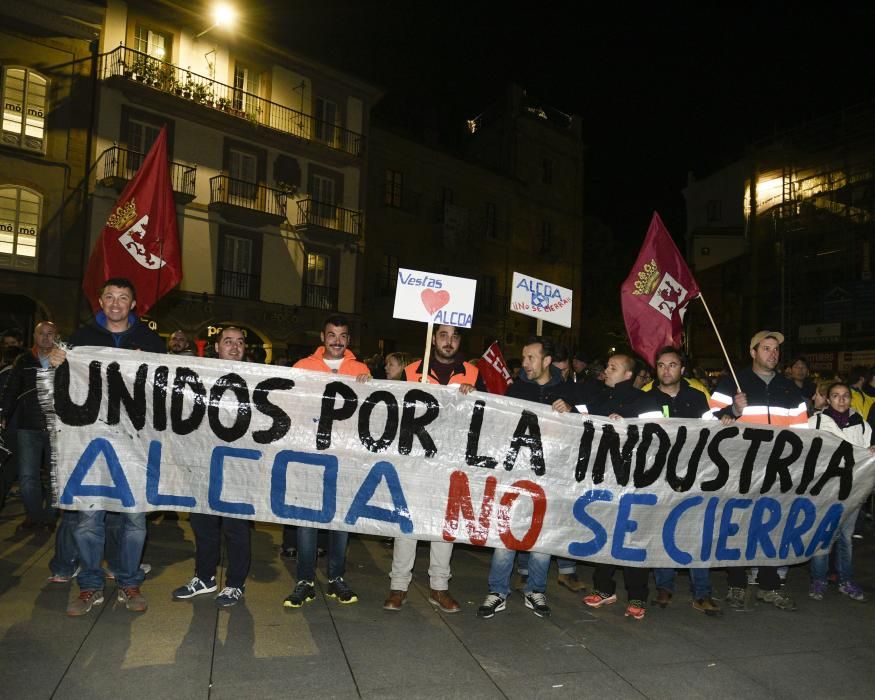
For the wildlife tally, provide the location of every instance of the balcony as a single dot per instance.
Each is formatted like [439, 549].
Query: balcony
[240, 285]
[318, 297]
[210, 97]
[117, 166]
[328, 222]
[247, 203]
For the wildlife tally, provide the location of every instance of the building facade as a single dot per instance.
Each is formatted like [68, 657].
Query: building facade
[512, 201]
[268, 168]
[796, 252]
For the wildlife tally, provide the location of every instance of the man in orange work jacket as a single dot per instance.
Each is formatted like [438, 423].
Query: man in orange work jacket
[764, 396]
[446, 366]
[334, 356]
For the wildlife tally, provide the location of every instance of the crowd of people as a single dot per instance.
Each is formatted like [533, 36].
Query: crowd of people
[92, 546]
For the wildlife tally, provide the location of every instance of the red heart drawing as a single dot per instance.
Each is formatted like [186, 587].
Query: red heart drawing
[432, 301]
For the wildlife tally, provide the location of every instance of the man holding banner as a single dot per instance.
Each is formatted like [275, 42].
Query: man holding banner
[231, 345]
[446, 367]
[115, 325]
[762, 396]
[539, 382]
[334, 356]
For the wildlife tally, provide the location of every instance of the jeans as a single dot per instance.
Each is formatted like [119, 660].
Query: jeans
[66, 553]
[90, 535]
[337, 540]
[208, 545]
[566, 566]
[844, 547]
[502, 566]
[404, 556]
[33, 451]
[700, 581]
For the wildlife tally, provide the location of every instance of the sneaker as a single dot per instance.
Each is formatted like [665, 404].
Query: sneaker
[494, 603]
[229, 596]
[86, 600]
[395, 600]
[61, 578]
[303, 592]
[597, 599]
[636, 609]
[852, 590]
[193, 588]
[338, 588]
[145, 568]
[288, 553]
[132, 598]
[779, 598]
[707, 605]
[537, 603]
[571, 582]
[817, 589]
[443, 601]
[735, 598]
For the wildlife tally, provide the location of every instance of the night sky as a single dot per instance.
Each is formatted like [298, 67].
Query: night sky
[661, 92]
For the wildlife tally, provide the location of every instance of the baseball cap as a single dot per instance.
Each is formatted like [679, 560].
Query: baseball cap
[762, 335]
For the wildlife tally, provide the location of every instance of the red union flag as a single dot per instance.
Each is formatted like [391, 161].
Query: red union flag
[655, 293]
[140, 241]
[493, 369]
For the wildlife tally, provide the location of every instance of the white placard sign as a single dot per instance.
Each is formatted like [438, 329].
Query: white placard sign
[541, 300]
[434, 298]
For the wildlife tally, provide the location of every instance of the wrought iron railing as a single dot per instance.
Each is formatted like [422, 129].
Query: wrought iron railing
[240, 285]
[331, 216]
[320, 297]
[247, 195]
[166, 77]
[122, 163]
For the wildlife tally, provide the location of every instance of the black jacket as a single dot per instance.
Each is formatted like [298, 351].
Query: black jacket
[19, 397]
[780, 392]
[689, 402]
[138, 337]
[623, 399]
[556, 388]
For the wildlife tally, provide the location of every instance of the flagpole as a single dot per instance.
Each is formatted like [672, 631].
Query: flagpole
[722, 346]
[427, 354]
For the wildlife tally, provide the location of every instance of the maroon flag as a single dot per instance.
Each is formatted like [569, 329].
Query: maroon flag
[140, 241]
[494, 371]
[655, 293]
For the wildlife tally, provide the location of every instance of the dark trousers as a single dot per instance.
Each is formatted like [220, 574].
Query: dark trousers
[636, 579]
[767, 578]
[207, 539]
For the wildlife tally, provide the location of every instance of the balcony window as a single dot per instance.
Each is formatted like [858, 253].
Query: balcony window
[20, 212]
[388, 275]
[242, 168]
[152, 43]
[24, 108]
[237, 277]
[327, 120]
[394, 188]
[319, 293]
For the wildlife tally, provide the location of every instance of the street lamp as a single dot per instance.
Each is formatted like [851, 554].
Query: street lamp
[223, 16]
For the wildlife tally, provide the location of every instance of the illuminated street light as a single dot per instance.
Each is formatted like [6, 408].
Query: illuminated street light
[223, 16]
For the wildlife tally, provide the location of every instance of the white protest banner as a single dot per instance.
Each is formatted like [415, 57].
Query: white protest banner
[541, 300]
[141, 432]
[433, 298]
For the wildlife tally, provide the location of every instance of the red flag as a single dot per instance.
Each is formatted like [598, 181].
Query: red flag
[494, 371]
[655, 293]
[140, 241]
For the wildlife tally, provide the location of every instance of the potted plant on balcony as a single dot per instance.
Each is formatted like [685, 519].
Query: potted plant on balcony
[223, 103]
[202, 93]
